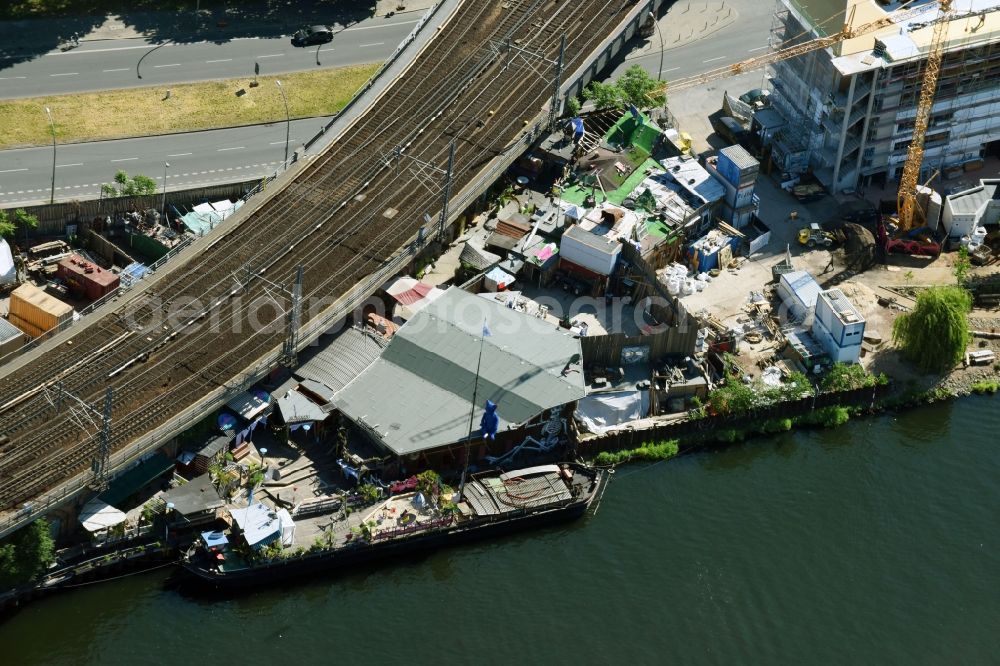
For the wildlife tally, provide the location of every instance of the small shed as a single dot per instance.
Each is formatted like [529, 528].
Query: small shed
[590, 251]
[497, 280]
[262, 525]
[214, 450]
[196, 501]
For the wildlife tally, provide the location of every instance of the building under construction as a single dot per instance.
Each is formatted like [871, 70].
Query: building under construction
[847, 112]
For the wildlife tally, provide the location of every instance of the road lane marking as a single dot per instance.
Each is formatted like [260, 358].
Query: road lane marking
[222, 60]
[375, 44]
[236, 148]
[120, 69]
[12, 170]
[177, 64]
[126, 159]
[376, 27]
[178, 154]
[271, 55]
[672, 69]
[714, 59]
[66, 74]
[4, 78]
[277, 143]
[60, 166]
[759, 48]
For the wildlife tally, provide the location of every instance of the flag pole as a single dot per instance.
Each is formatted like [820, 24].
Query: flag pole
[472, 410]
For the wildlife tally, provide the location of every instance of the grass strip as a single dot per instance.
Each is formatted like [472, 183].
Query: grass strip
[131, 112]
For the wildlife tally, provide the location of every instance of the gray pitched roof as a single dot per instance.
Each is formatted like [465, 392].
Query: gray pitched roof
[343, 359]
[417, 395]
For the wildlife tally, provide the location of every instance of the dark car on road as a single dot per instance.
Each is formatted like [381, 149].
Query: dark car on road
[313, 34]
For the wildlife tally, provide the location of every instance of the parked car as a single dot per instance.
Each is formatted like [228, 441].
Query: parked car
[756, 98]
[313, 34]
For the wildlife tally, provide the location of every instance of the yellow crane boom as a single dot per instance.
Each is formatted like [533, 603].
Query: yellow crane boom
[906, 201]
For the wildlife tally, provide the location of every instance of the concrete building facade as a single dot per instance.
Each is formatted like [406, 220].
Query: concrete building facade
[850, 108]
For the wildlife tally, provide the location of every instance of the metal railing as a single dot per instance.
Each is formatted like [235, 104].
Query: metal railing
[367, 85]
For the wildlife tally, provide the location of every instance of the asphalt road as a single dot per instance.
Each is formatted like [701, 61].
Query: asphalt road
[746, 38]
[195, 159]
[227, 155]
[106, 64]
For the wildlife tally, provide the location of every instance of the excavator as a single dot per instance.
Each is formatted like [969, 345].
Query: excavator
[908, 222]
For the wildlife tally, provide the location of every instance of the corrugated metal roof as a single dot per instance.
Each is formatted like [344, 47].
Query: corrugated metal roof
[477, 257]
[343, 359]
[417, 395]
[739, 156]
[8, 331]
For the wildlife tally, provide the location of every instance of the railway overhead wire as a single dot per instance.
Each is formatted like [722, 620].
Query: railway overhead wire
[341, 219]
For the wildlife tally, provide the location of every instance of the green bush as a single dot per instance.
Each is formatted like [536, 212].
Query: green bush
[648, 451]
[775, 425]
[848, 376]
[827, 417]
[985, 386]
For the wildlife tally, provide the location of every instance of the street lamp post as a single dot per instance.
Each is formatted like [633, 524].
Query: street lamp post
[163, 204]
[659, 33]
[52, 197]
[288, 119]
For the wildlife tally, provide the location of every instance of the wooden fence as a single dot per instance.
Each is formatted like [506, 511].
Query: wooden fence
[53, 218]
[606, 350]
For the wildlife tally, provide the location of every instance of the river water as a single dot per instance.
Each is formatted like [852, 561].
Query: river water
[877, 542]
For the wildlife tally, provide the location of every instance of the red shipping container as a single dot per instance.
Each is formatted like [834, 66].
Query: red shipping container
[86, 279]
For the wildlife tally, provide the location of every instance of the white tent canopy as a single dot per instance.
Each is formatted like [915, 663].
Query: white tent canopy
[97, 515]
[8, 274]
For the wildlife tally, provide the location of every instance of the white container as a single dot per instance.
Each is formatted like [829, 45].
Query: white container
[673, 286]
[964, 242]
[700, 285]
[979, 234]
[973, 245]
[704, 277]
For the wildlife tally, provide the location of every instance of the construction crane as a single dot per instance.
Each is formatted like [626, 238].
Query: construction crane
[906, 201]
[907, 209]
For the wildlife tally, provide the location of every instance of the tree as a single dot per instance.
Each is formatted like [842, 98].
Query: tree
[638, 88]
[573, 106]
[604, 95]
[7, 227]
[27, 554]
[22, 219]
[962, 266]
[129, 186]
[936, 333]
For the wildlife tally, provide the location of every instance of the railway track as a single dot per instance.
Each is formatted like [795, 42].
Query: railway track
[345, 215]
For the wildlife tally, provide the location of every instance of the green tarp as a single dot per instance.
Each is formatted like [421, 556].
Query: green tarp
[134, 479]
